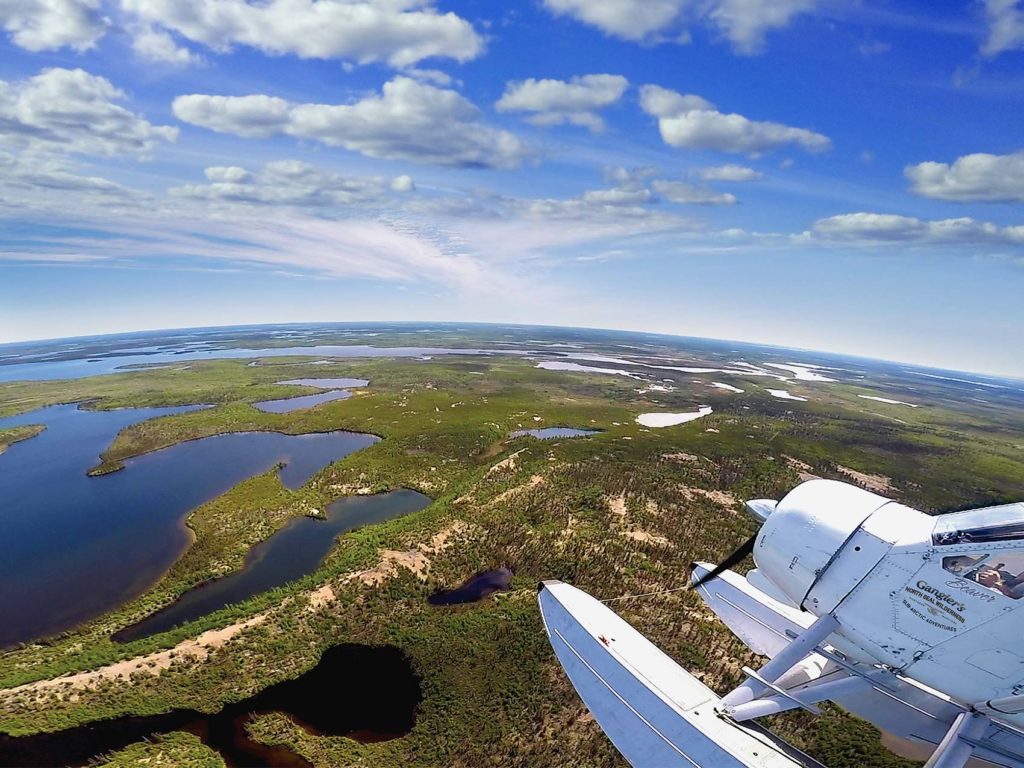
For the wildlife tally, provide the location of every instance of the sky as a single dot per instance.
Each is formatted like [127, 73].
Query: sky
[825, 174]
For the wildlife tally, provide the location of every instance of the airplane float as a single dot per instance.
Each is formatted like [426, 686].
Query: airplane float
[911, 621]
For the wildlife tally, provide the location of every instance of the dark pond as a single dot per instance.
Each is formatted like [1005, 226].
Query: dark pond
[476, 587]
[73, 547]
[550, 433]
[289, 404]
[364, 692]
[291, 553]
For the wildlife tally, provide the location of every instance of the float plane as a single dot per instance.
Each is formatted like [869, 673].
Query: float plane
[913, 622]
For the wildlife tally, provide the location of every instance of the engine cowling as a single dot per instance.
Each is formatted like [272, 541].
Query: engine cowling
[804, 535]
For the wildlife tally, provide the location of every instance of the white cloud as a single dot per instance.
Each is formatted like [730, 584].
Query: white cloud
[890, 228]
[618, 196]
[72, 111]
[410, 120]
[980, 176]
[693, 122]
[402, 184]
[664, 102]
[553, 102]
[41, 176]
[398, 32]
[681, 192]
[1005, 26]
[158, 45]
[46, 25]
[729, 173]
[291, 183]
[743, 23]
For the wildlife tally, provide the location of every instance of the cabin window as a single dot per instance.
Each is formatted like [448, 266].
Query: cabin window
[1001, 571]
[1002, 523]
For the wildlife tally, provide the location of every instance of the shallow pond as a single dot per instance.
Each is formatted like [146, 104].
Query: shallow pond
[291, 553]
[367, 693]
[476, 587]
[73, 547]
[550, 433]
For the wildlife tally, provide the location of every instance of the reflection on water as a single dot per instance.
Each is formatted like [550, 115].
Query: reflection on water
[367, 693]
[550, 433]
[476, 587]
[289, 404]
[291, 553]
[73, 547]
[327, 383]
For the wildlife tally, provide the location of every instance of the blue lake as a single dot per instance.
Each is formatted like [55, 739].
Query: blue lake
[291, 553]
[327, 383]
[73, 546]
[289, 404]
[550, 433]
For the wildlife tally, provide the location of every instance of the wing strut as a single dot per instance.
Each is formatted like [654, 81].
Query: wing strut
[801, 646]
[956, 747]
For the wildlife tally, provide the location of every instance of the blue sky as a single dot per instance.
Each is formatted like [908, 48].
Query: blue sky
[832, 175]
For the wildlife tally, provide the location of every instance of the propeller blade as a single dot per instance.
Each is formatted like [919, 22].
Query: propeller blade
[736, 557]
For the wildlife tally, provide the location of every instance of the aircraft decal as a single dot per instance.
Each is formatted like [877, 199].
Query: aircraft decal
[934, 606]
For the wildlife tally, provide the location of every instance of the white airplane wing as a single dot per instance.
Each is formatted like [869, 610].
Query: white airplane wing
[897, 705]
[655, 713]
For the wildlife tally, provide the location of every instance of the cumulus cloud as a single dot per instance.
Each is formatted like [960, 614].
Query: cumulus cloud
[693, 122]
[158, 45]
[409, 120]
[1005, 27]
[744, 23]
[729, 173]
[552, 102]
[890, 228]
[72, 111]
[681, 192]
[46, 25]
[398, 32]
[291, 183]
[980, 176]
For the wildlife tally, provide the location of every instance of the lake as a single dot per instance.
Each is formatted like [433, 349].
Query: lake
[73, 547]
[117, 362]
[550, 433]
[289, 404]
[368, 693]
[293, 552]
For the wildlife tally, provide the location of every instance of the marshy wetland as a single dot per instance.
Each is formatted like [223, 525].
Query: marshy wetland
[624, 510]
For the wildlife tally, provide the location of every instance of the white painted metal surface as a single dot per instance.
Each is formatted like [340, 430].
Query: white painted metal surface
[808, 526]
